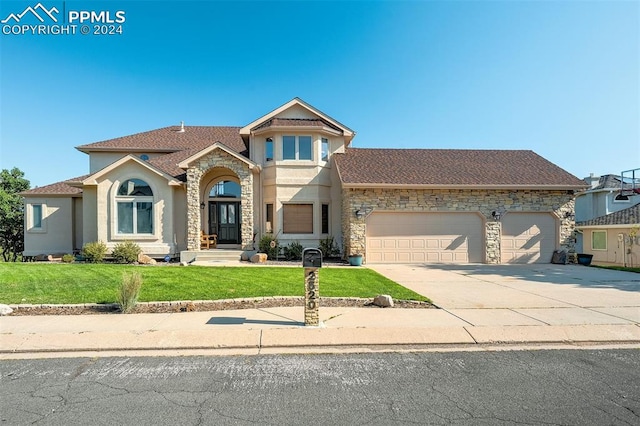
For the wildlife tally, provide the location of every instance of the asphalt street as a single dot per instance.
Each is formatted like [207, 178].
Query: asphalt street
[568, 387]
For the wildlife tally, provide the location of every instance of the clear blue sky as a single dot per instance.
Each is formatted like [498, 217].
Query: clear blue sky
[561, 78]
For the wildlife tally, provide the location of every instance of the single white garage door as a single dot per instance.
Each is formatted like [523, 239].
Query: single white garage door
[528, 237]
[425, 237]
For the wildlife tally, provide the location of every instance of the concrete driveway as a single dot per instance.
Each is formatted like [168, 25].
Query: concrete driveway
[548, 294]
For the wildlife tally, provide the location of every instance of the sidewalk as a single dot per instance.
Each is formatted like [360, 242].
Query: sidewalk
[481, 307]
[281, 330]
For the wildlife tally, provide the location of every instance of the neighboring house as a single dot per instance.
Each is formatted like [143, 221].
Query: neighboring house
[613, 239]
[292, 173]
[605, 195]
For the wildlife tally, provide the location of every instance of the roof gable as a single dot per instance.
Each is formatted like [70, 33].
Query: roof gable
[297, 109]
[184, 164]
[451, 168]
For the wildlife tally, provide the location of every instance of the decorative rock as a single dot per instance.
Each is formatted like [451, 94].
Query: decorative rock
[143, 259]
[184, 264]
[246, 255]
[259, 258]
[383, 300]
[5, 310]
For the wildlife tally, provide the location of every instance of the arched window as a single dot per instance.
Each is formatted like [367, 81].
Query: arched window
[134, 201]
[225, 189]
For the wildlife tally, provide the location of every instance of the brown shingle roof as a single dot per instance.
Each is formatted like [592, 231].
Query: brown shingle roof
[58, 188]
[168, 139]
[628, 216]
[452, 167]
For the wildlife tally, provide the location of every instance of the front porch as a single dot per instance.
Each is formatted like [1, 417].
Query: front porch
[222, 255]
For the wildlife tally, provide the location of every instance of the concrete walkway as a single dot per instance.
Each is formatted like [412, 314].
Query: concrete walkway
[482, 306]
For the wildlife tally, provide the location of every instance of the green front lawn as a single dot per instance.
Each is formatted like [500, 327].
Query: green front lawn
[38, 283]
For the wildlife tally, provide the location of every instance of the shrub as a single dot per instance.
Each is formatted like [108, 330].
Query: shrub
[68, 258]
[94, 252]
[293, 251]
[126, 252]
[129, 291]
[269, 245]
[329, 248]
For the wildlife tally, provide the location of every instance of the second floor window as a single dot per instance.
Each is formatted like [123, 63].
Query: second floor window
[268, 149]
[296, 148]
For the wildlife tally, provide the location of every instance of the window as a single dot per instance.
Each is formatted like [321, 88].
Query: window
[134, 207]
[297, 148]
[598, 240]
[325, 218]
[325, 149]
[225, 189]
[269, 221]
[144, 157]
[297, 218]
[36, 216]
[268, 149]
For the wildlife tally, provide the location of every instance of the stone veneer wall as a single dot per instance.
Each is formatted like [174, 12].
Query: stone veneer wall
[561, 203]
[199, 168]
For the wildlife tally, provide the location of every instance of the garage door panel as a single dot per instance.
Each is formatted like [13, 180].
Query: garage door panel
[528, 237]
[425, 237]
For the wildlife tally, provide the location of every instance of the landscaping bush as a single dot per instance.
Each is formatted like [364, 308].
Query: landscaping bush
[329, 248]
[293, 251]
[265, 246]
[68, 258]
[126, 252]
[129, 291]
[94, 252]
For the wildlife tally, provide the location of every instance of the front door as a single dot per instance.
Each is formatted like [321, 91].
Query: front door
[224, 220]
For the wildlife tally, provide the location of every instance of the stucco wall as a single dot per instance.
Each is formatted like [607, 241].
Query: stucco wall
[485, 202]
[100, 160]
[621, 252]
[161, 241]
[56, 233]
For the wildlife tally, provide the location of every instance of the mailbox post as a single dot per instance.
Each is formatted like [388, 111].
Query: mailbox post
[311, 262]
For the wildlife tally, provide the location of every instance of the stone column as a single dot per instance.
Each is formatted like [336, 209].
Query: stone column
[493, 231]
[193, 208]
[246, 226]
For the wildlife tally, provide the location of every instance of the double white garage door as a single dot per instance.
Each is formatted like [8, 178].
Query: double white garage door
[456, 238]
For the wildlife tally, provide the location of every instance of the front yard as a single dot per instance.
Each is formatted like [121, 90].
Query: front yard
[45, 283]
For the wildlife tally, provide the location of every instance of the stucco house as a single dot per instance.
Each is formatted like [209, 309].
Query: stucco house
[293, 173]
[605, 194]
[613, 239]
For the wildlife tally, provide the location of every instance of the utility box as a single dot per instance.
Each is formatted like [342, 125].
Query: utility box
[311, 258]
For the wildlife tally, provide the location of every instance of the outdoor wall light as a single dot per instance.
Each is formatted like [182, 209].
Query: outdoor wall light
[496, 214]
[360, 213]
[202, 205]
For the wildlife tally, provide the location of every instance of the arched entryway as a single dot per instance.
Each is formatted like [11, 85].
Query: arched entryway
[222, 213]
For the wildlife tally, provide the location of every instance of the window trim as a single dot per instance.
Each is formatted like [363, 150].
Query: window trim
[266, 218]
[593, 240]
[116, 199]
[325, 220]
[31, 217]
[266, 143]
[326, 157]
[296, 147]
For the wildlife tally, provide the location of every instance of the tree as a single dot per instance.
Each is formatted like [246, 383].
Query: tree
[12, 213]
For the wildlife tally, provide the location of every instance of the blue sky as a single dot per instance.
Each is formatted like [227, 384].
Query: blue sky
[561, 78]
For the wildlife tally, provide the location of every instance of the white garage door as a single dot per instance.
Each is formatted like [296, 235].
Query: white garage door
[528, 237]
[425, 237]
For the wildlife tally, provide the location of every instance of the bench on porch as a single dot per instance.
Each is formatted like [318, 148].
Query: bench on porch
[208, 241]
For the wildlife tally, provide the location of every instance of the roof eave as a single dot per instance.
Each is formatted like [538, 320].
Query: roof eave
[461, 186]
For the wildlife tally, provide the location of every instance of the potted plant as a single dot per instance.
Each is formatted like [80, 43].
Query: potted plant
[355, 259]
